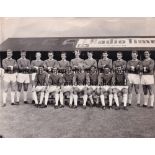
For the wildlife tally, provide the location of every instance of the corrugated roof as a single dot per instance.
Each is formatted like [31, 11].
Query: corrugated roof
[52, 43]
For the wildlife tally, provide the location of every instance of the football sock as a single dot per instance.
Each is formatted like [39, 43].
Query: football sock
[41, 97]
[85, 97]
[25, 95]
[75, 99]
[125, 97]
[12, 96]
[97, 100]
[46, 97]
[34, 96]
[61, 98]
[152, 100]
[56, 99]
[146, 99]
[4, 97]
[102, 100]
[18, 96]
[138, 98]
[91, 99]
[130, 98]
[116, 100]
[71, 99]
[110, 99]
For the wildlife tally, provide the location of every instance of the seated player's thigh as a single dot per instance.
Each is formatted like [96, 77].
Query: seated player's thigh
[76, 89]
[67, 89]
[98, 91]
[83, 89]
[90, 91]
[40, 88]
[124, 91]
[115, 90]
[54, 89]
[110, 91]
[103, 90]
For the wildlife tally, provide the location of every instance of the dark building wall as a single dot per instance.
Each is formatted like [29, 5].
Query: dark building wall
[70, 55]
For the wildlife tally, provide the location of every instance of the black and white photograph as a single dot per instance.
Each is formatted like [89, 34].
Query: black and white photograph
[77, 77]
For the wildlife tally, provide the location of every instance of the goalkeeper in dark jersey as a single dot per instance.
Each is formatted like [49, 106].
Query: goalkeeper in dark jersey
[120, 80]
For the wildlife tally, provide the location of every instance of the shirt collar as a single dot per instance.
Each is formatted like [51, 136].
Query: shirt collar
[148, 59]
[119, 59]
[9, 58]
[135, 59]
[105, 58]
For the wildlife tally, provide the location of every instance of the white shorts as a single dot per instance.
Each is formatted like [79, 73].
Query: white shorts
[147, 80]
[33, 75]
[119, 87]
[40, 88]
[23, 78]
[134, 78]
[93, 87]
[9, 77]
[80, 87]
[106, 87]
[1, 72]
[53, 89]
[67, 88]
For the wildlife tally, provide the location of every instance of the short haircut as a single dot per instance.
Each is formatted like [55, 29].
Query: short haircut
[90, 52]
[41, 66]
[51, 52]
[105, 52]
[38, 52]
[134, 51]
[119, 52]
[63, 53]
[147, 51]
[9, 50]
[77, 51]
[22, 51]
[93, 66]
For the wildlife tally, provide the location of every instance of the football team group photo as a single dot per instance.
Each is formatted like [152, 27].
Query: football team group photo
[105, 84]
[77, 78]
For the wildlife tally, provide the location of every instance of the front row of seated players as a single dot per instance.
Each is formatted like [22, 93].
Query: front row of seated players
[90, 85]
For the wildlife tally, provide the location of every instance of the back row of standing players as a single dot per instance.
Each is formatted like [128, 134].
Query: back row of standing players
[92, 80]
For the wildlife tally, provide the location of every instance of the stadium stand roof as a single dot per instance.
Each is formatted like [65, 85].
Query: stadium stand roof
[62, 44]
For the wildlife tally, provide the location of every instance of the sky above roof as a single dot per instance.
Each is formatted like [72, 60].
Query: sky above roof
[75, 27]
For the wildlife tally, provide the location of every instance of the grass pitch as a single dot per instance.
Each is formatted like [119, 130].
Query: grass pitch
[26, 121]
